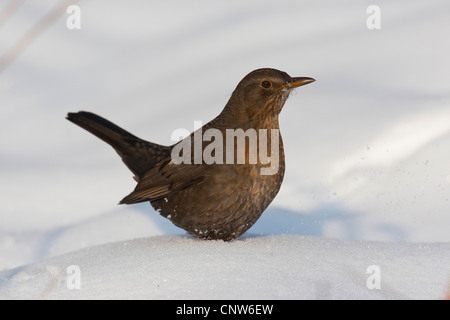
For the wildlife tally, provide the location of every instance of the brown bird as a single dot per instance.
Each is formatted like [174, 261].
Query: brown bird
[211, 188]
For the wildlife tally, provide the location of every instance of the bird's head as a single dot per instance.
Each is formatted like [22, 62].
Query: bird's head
[263, 92]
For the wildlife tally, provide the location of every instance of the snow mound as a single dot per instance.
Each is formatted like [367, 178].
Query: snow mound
[254, 267]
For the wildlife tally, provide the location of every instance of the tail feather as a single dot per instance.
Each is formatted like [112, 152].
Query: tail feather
[137, 154]
[101, 128]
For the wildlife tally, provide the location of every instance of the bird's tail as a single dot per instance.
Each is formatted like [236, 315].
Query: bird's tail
[137, 154]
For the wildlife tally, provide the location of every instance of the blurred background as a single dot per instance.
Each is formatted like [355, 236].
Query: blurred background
[367, 145]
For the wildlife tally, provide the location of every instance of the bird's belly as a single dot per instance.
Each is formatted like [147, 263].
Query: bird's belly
[223, 206]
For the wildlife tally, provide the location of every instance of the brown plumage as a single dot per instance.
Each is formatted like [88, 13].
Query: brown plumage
[210, 201]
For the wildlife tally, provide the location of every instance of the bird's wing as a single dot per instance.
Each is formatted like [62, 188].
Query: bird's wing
[164, 179]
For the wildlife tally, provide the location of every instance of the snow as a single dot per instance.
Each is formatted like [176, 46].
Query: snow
[255, 267]
[367, 149]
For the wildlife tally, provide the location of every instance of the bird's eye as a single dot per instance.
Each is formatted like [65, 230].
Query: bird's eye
[266, 84]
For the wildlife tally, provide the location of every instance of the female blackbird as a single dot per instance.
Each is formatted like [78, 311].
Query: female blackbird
[211, 188]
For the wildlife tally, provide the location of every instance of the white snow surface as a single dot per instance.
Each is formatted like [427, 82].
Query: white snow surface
[263, 267]
[367, 148]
